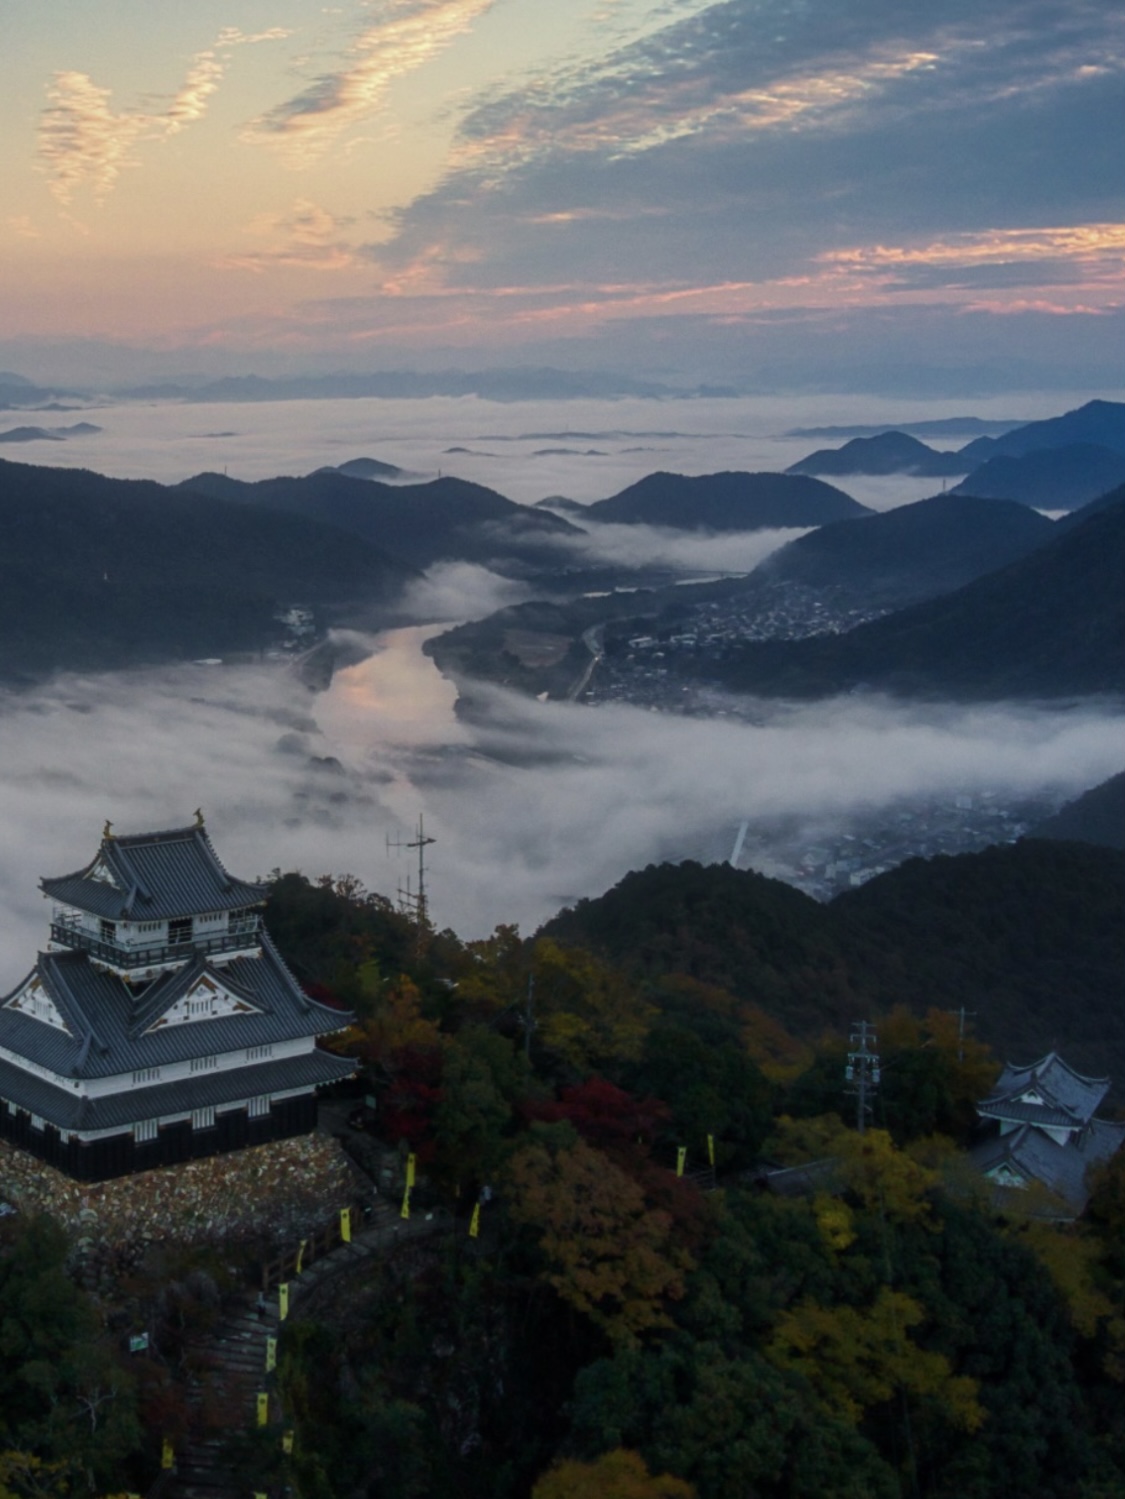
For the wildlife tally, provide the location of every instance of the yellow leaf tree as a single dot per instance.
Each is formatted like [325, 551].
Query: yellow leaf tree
[606, 1253]
[616, 1475]
[860, 1357]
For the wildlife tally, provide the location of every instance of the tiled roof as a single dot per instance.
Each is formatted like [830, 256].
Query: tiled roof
[1060, 1168]
[1056, 1083]
[205, 1090]
[155, 876]
[108, 1022]
[1046, 1116]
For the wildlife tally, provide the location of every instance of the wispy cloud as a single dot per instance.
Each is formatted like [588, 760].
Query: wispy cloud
[305, 236]
[412, 32]
[85, 142]
[1072, 241]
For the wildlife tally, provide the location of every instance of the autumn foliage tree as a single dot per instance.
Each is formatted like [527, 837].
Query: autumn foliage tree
[615, 1475]
[606, 1253]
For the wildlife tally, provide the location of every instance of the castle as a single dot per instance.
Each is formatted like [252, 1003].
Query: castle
[160, 1024]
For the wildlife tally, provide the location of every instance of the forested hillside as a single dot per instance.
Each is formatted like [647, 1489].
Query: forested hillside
[614, 1328]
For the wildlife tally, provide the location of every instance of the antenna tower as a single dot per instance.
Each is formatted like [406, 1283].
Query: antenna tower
[414, 903]
[862, 1071]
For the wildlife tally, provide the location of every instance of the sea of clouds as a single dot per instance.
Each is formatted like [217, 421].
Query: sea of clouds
[543, 803]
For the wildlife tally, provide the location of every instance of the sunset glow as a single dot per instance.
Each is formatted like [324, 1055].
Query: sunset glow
[379, 178]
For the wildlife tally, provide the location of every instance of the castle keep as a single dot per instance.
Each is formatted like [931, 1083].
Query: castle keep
[160, 1024]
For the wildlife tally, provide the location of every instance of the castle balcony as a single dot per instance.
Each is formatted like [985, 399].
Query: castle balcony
[180, 947]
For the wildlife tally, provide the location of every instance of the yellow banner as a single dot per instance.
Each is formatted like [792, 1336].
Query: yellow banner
[410, 1170]
[263, 1409]
[405, 1204]
[681, 1157]
[345, 1225]
[271, 1355]
[283, 1301]
[711, 1150]
[474, 1222]
[167, 1456]
[287, 1441]
[301, 1255]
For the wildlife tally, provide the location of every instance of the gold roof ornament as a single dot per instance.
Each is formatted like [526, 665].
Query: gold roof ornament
[199, 817]
[107, 831]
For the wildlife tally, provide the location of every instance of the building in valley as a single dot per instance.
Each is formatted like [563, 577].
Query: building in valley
[160, 1024]
[1041, 1130]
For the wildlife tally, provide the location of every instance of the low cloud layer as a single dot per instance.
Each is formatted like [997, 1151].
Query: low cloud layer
[552, 803]
[685, 552]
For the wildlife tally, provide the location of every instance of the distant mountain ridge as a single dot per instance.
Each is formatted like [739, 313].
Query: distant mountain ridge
[420, 523]
[98, 573]
[911, 553]
[727, 502]
[1052, 478]
[886, 453]
[1049, 625]
[1101, 423]
[1098, 424]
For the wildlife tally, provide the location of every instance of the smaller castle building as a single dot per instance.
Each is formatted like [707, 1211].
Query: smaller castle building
[160, 1024]
[1042, 1130]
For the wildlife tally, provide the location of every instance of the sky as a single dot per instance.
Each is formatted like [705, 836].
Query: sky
[760, 193]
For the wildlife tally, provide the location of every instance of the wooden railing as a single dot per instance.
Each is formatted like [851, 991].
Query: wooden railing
[118, 955]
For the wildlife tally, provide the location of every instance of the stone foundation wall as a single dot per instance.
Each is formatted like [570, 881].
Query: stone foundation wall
[278, 1191]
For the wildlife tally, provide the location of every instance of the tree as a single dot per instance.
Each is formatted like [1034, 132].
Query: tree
[616, 1475]
[860, 1357]
[605, 1253]
[590, 1013]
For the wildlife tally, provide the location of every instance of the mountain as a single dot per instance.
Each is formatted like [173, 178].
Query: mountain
[49, 434]
[1051, 478]
[363, 468]
[19, 394]
[1027, 936]
[726, 502]
[98, 573]
[1049, 625]
[419, 523]
[30, 434]
[517, 384]
[945, 426]
[911, 553]
[886, 453]
[1097, 816]
[1101, 423]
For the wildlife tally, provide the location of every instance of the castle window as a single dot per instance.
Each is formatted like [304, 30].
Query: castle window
[203, 1118]
[146, 1075]
[36, 1122]
[258, 1053]
[108, 930]
[258, 1107]
[180, 930]
[203, 1064]
[144, 1129]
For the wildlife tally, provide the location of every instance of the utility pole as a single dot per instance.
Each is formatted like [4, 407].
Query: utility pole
[529, 1017]
[862, 1071]
[412, 903]
[961, 1014]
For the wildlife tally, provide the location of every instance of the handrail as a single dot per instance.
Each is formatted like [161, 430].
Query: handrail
[118, 955]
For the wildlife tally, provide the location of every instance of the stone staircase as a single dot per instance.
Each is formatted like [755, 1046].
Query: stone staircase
[231, 1362]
